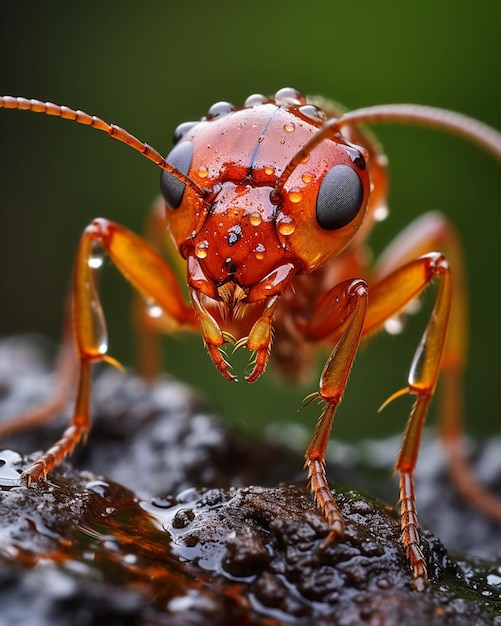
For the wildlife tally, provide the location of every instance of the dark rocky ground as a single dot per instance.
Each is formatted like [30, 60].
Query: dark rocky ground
[166, 517]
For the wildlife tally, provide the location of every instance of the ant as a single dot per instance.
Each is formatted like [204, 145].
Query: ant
[269, 207]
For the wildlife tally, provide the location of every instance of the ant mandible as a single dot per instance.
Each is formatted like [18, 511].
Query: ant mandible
[270, 206]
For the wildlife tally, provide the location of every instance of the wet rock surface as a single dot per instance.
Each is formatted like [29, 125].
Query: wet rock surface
[156, 521]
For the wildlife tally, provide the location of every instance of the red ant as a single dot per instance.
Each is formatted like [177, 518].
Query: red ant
[270, 207]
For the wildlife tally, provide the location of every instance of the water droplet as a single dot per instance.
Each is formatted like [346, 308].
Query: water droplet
[357, 157]
[219, 109]
[381, 213]
[394, 326]
[255, 99]
[313, 113]
[269, 171]
[494, 579]
[153, 310]
[295, 195]
[111, 544]
[130, 559]
[103, 347]
[10, 471]
[101, 487]
[182, 130]
[289, 95]
[201, 249]
[203, 172]
[289, 127]
[260, 251]
[307, 178]
[256, 219]
[95, 262]
[96, 257]
[234, 235]
[286, 226]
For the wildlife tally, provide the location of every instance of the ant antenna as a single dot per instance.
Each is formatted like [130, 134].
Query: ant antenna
[459, 124]
[116, 132]
[329, 129]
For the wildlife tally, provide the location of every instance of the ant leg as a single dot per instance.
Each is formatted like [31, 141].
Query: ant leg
[388, 297]
[143, 267]
[77, 430]
[433, 231]
[350, 298]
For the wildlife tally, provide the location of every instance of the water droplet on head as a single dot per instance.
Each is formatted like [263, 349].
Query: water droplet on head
[219, 109]
[203, 172]
[295, 195]
[286, 226]
[256, 219]
[259, 251]
[289, 127]
[269, 171]
[182, 130]
[313, 113]
[307, 178]
[289, 95]
[201, 249]
[255, 99]
[234, 234]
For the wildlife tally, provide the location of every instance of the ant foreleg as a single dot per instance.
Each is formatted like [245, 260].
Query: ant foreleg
[144, 268]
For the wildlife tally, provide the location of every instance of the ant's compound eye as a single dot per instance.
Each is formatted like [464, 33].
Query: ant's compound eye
[339, 198]
[172, 188]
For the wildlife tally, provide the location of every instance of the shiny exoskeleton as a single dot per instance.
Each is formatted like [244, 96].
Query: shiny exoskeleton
[269, 207]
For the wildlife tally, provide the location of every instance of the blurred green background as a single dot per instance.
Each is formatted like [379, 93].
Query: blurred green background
[149, 66]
